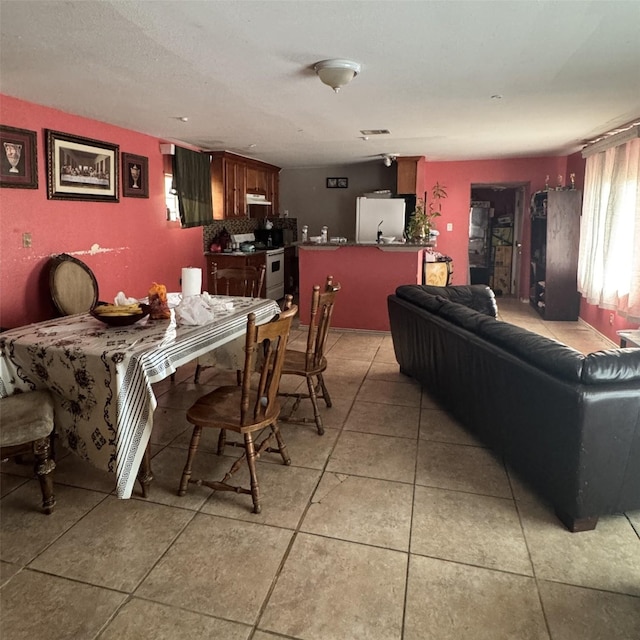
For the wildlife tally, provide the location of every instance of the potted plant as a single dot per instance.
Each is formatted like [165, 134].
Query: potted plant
[421, 220]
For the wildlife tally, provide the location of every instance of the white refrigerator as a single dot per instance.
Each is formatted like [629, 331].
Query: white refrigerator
[379, 214]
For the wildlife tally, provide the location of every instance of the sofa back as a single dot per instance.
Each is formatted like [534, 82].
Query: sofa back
[475, 296]
[473, 307]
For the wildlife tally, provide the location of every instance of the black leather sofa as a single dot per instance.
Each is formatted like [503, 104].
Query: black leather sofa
[566, 423]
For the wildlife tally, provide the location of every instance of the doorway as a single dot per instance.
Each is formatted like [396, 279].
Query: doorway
[495, 236]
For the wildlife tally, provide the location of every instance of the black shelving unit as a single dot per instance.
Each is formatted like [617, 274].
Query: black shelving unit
[555, 237]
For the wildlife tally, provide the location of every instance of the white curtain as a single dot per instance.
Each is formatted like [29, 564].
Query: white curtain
[609, 260]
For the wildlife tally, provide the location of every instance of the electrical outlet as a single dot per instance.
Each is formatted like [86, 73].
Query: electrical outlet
[449, 226]
[611, 318]
[26, 240]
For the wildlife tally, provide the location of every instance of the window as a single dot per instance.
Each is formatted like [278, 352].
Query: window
[609, 259]
[171, 198]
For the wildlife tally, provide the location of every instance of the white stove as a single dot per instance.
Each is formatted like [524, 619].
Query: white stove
[274, 275]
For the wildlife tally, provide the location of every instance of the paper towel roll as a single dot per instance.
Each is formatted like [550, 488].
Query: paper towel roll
[191, 281]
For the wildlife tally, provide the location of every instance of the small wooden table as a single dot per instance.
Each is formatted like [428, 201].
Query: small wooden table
[629, 338]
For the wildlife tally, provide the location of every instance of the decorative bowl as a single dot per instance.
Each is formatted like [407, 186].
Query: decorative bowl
[388, 239]
[121, 321]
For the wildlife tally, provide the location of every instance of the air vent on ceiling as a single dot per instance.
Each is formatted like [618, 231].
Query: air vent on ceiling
[374, 132]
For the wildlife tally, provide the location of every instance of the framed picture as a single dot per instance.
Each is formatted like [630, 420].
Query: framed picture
[337, 183]
[135, 176]
[18, 158]
[81, 168]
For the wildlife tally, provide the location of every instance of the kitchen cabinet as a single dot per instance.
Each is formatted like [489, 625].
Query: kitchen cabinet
[555, 237]
[257, 179]
[228, 186]
[263, 179]
[410, 175]
[233, 176]
[230, 260]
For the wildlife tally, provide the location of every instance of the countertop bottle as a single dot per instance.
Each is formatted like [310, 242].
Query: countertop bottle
[305, 233]
[324, 234]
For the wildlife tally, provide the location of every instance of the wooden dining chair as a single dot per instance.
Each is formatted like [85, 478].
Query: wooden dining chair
[232, 281]
[246, 408]
[72, 285]
[26, 425]
[312, 363]
[238, 281]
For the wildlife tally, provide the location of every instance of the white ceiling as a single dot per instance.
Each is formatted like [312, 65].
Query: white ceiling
[242, 72]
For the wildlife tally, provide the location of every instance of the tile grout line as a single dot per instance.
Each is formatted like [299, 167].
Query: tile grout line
[297, 531]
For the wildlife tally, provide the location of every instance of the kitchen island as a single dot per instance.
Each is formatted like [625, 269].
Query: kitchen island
[368, 273]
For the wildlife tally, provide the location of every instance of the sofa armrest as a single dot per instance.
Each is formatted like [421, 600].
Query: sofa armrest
[475, 296]
[612, 365]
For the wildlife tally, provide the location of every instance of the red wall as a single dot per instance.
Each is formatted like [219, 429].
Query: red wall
[128, 244]
[458, 177]
[358, 306]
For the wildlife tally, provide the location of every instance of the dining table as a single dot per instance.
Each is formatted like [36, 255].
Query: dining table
[101, 376]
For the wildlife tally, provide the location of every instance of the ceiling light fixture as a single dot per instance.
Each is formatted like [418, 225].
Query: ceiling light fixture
[337, 73]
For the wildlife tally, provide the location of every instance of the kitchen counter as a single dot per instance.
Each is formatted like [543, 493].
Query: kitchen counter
[234, 253]
[367, 273]
[393, 246]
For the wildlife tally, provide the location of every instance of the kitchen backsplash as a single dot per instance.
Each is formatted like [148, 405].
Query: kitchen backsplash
[245, 225]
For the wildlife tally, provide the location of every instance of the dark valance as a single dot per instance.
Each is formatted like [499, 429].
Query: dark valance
[192, 181]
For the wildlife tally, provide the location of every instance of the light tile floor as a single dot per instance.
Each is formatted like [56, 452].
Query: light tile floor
[396, 524]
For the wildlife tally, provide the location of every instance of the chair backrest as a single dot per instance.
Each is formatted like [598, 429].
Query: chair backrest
[238, 281]
[271, 339]
[322, 303]
[73, 287]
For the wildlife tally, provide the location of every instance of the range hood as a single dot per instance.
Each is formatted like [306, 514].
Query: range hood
[254, 198]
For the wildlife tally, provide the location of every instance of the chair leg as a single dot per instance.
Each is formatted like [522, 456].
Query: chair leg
[325, 393]
[282, 447]
[222, 441]
[193, 447]
[314, 402]
[251, 461]
[196, 377]
[44, 465]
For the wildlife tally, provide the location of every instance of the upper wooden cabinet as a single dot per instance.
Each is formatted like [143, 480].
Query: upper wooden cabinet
[410, 178]
[257, 179]
[232, 177]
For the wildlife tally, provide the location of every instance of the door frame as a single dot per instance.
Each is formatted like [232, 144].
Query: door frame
[520, 188]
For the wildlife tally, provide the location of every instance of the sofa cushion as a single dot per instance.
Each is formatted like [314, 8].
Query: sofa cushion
[416, 294]
[612, 365]
[548, 355]
[462, 316]
[475, 296]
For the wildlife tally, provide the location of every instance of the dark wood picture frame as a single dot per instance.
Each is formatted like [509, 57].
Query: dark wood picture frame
[337, 183]
[81, 168]
[18, 158]
[135, 176]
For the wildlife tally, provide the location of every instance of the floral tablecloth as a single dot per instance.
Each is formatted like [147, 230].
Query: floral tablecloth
[101, 376]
